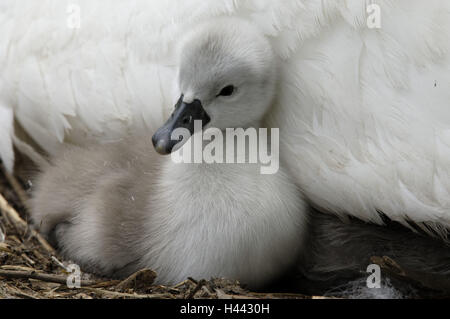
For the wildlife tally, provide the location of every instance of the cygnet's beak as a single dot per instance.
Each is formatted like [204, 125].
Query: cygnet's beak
[183, 116]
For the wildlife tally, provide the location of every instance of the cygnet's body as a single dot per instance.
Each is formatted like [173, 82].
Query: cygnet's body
[120, 207]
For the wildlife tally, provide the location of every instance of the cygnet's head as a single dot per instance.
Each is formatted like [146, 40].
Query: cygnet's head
[226, 79]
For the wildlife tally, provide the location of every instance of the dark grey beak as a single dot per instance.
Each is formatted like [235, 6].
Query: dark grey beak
[183, 116]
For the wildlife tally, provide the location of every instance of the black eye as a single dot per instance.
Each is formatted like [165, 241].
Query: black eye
[227, 91]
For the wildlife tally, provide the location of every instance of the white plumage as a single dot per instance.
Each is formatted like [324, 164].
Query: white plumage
[366, 123]
[363, 112]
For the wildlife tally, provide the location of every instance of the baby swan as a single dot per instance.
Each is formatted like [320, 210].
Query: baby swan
[117, 208]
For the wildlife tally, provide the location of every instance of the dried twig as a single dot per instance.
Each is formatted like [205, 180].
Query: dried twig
[20, 293]
[28, 259]
[60, 264]
[20, 225]
[115, 294]
[16, 268]
[5, 248]
[141, 279]
[9, 274]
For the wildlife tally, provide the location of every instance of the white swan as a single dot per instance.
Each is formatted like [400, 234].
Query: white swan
[117, 208]
[363, 111]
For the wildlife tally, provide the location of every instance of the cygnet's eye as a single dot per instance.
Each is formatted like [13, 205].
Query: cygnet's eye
[227, 91]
